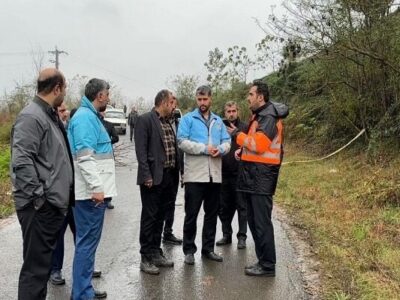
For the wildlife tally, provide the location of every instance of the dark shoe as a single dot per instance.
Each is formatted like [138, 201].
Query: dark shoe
[171, 239]
[159, 260]
[56, 278]
[241, 243]
[100, 294]
[252, 266]
[226, 240]
[259, 271]
[96, 274]
[149, 268]
[212, 256]
[110, 206]
[189, 259]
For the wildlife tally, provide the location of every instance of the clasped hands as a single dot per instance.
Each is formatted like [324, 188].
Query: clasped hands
[213, 151]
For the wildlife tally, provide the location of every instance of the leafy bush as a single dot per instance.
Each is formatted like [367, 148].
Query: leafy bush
[5, 130]
[5, 157]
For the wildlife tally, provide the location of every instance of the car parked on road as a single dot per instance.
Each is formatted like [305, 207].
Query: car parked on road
[117, 118]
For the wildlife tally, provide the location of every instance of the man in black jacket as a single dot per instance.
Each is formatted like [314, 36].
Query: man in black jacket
[43, 181]
[230, 200]
[114, 139]
[168, 235]
[260, 160]
[156, 152]
[132, 118]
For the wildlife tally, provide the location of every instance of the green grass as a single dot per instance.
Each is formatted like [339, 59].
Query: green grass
[6, 203]
[351, 211]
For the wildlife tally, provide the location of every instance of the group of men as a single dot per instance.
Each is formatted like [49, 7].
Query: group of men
[228, 166]
[54, 169]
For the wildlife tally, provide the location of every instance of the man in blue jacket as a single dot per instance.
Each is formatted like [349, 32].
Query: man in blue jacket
[204, 139]
[94, 180]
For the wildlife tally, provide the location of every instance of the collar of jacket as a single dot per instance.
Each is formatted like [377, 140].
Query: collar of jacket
[85, 102]
[261, 108]
[197, 114]
[46, 108]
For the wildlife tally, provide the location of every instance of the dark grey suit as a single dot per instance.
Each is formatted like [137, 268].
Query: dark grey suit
[150, 153]
[149, 146]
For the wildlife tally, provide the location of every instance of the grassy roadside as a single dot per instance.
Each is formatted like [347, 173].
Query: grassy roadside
[6, 203]
[351, 213]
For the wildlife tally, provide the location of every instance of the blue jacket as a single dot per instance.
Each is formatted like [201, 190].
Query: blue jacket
[92, 151]
[194, 135]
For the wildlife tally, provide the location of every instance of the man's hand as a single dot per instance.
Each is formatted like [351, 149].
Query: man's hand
[213, 151]
[98, 198]
[237, 154]
[148, 183]
[231, 128]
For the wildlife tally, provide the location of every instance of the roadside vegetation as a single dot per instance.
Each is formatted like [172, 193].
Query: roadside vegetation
[6, 203]
[336, 63]
[349, 210]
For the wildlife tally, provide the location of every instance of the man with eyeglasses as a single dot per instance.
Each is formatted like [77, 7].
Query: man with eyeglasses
[91, 147]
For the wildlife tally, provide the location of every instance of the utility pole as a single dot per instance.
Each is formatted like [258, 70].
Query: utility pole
[57, 54]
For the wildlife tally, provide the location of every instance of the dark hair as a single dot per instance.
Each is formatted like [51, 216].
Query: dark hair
[262, 88]
[161, 97]
[46, 85]
[203, 90]
[94, 87]
[72, 112]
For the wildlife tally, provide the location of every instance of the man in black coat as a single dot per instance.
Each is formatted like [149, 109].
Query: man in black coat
[114, 139]
[260, 157]
[132, 118]
[156, 152]
[42, 175]
[230, 200]
[168, 235]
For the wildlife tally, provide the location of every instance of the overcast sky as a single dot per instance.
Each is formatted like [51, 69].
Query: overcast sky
[137, 44]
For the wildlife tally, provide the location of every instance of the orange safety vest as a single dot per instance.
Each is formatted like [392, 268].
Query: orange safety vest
[273, 150]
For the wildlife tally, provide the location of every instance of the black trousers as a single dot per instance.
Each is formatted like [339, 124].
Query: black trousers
[259, 210]
[131, 130]
[155, 201]
[195, 193]
[232, 201]
[170, 211]
[58, 254]
[40, 229]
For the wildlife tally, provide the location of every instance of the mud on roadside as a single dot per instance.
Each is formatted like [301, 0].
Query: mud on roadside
[307, 261]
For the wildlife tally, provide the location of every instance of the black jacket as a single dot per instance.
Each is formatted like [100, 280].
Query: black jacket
[229, 164]
[41, 161]
[149, 146]
[259, 178]
[111, 131]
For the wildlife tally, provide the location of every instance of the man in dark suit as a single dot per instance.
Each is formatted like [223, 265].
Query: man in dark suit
[156, 152]
[168, 235]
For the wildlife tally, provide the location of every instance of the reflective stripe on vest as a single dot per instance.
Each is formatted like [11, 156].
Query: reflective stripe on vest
[272, 155]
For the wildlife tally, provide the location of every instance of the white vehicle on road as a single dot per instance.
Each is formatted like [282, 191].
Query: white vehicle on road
[117, 118]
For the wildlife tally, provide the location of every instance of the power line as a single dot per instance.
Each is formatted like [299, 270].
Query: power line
[17, 53]
[57, 54]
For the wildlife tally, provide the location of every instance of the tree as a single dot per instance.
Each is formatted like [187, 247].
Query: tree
[239, 63]
[75, 91]
[353, 47]
[268, 52]
[184, 87]
[216, 67]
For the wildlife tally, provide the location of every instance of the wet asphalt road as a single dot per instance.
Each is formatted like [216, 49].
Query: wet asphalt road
[118, 256]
